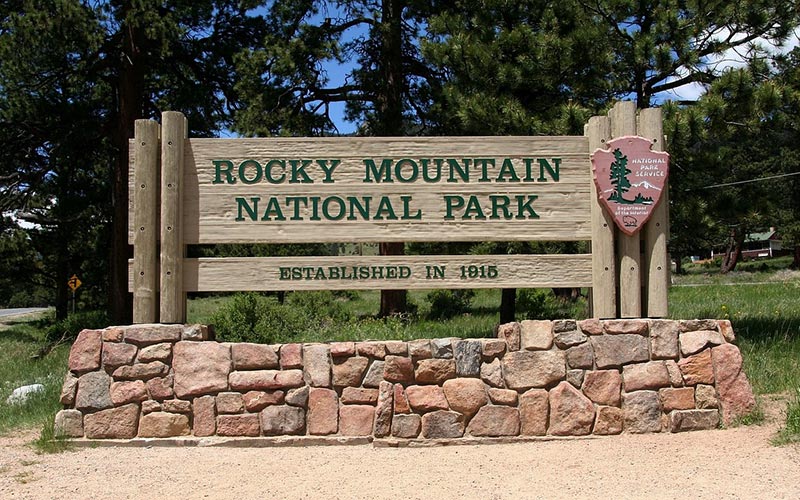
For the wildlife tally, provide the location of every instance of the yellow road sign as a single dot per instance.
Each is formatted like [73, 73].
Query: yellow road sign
[74, 283]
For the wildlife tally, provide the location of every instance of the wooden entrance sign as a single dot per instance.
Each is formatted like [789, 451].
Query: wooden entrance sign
[341, 190]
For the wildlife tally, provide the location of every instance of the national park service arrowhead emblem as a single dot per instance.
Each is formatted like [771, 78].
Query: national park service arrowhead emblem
[630, 179]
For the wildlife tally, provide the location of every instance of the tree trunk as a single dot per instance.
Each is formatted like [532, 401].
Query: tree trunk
[508, 305]
[733, 252]
[678, 264]
[130, 87]
[796, 258]
[392, 301]
[389, 120]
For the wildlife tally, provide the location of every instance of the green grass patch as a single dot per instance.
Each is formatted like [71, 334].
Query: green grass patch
[790, 432]
[19, 345]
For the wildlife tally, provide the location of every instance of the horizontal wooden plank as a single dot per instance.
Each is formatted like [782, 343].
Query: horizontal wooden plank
[218, 190]
[413, 272]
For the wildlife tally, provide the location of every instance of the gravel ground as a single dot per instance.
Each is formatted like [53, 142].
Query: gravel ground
[730, 463]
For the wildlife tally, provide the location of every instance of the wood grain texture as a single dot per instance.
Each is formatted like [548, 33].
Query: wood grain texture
[173, 297]
[145, 219]
[604, 266]
[656, 232]
[263, 273]
[211, 209]
[623, 122]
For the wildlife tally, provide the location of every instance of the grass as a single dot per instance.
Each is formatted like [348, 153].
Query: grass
[19, 343]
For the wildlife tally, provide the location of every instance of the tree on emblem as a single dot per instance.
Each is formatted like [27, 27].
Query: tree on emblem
[619, 177]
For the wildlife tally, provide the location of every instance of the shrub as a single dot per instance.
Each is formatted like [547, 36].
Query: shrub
[69, 328]
[446, 304]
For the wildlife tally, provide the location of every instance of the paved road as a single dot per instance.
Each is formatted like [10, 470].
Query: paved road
[4, 313]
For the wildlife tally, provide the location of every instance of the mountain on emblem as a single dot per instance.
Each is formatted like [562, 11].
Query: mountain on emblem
[630, 179]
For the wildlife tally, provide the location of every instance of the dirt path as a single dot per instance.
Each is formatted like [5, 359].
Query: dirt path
[732, 463]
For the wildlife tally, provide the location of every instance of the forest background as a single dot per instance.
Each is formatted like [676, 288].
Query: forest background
[75, 75]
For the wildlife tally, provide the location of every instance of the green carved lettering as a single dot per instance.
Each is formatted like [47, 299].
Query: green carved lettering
[252, 212]
[484, 163]
[545, 165]
[457, 167]
[328, 169]
[385, 171]
[268, 171]
[299, 170]
[524, 206]
[452, 202]
[407, 209]
[219, 171]
[326, 208]
[358, 206]
[243, 169]
[473, 210]
[500, 203]
[507, 170]
[411, 176]
[385, 207]
[273, 210]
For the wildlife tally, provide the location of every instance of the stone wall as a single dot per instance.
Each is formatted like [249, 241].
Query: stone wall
[560, 378]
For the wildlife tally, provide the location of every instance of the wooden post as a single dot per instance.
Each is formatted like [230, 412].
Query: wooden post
[623, 122]
[656, 231]
[604, 289]
[145, 222]
[173, 297]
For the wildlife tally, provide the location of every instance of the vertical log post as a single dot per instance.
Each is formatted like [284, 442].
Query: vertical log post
[623, 122]
[173, 297]
[145, 222]
[604, 289]
[656, 231]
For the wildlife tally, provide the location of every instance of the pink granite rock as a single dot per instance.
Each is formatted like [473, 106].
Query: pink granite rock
[492, 348]
[255, 401]
[68, 390]
[374, 376]
[693, 420]
[156, 352]
[536, 335]
[591, 326]
[323, 412]
[425, 398]
[419, 349]
[317, 365]
[693, 325]
[291, 356]
[195, 332]
[342, 349]
[258, 380]
[442, 424]
[611, 351]
[626, 327]
[200, 368]
[681, 398]
[359, 396]
[726, 330]
[675, 375]
[246, 356]
[141, 371]
[697, 369]
[93, 392]
[245, 424]
[68, 423]
[398, 369]
[128, 392]
[113, 334]
[375, 350]
[664, 339]
[492, 373]
[505, 397]
[581, 356]
[160, 388]
[705, 397]
[526, 369]
[650, 375]
[406, 426]
[642, 412]
[396, 347]
[149, 406]
[510, 332]
[349, 372]
[282, 420]
[116, 354]
[435, 371]
[571, 413]
[230, 402]
[177, 406]
[383, 411]
[400, 400]
[161, 424]
[204, 416]
[534, 409]
[494, 421]
[356, 420]
[465, 395]
[298, 397]
[84, 355]
[695, 341]
[142, 335]
[735, 394]
[115, 423]
[609, 420]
